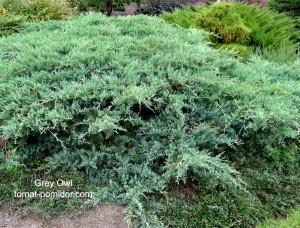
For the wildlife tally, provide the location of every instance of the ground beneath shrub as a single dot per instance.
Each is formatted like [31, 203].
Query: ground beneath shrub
[103, 216]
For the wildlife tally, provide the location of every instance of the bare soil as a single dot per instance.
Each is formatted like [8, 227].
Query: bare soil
[103, 216]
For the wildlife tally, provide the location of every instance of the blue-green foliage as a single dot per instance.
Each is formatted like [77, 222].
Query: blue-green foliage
[138, 104]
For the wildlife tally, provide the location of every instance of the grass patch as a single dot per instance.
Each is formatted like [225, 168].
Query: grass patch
[292, 220]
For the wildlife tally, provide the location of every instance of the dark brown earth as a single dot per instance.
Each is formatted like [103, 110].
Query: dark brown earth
[103, 216]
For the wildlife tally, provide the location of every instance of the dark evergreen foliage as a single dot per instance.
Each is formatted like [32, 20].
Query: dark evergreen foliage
[289, 6]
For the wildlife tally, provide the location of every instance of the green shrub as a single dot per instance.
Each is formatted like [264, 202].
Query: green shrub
[271, 194]
[185, 17]
[279, 54]
[211, 207]
[38, 9]
[238, 49]
[235, 23]
[83, 5]
[156, 7]
[14, 12]
[101, 5]
[10, 23]
[18, 177]
[13, 6]
[221, 19]
[293, 220]
[273, 180]
[137, 105]
[289, 6]
[48, 10]
[268, 29]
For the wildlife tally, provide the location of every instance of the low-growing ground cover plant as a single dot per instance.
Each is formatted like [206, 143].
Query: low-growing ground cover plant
[135, 107]
[246, 27]
[14, 12]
